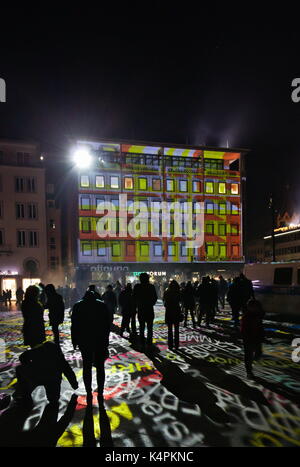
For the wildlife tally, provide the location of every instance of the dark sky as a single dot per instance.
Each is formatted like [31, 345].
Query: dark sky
[160, 74]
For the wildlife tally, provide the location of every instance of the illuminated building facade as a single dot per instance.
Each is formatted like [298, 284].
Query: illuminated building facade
[206, 178]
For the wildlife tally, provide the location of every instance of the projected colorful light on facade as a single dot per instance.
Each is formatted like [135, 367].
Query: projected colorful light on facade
[149, 175]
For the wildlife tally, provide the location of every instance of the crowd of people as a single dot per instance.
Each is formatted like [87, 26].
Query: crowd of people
[92, 320]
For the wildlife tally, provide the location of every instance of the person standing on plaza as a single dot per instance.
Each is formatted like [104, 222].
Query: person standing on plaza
[235, 300]
[206, 301]
[19, 296]
[33, 315]
[171, 301]
[110, 300]
[90, 329]
[126, 304]
[56, 307]
[222, 290]
[252, 332]
[145, 297]
[246, 289]
[92, 288]
[188, 301]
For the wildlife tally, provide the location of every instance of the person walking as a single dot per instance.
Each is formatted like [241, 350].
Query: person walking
[252, 332]
[222, 290]
[90, 329]
[145, 297]
[33, 315]
[110, 300]
[56, 307]
[206, 301]
[188, 301]
[171, 301]
[235, 300]
[126, 303]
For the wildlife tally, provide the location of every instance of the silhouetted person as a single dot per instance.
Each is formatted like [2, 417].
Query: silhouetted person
[56, 307]
[171, 301]
[43, 365]
[33, 315]
[215, 293]
[235, 299]
[92, 288]
[110, 300]
[252, 333]
[90, 328]
[9, 296]
[188, 302]
[145, 298]
[126, 304]
[43, 297]
[206, 300]
[222, 290]
[117, 291]
[246, 289]
[19, 296]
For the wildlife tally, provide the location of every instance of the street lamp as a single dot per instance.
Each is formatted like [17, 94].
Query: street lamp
[82, 158]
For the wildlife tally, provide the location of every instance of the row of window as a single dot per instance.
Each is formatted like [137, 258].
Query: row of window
[143, 183]
[23, 158]
[25, 238]
[25, 184]
[222, 208]
[144, 249]
[28, 211]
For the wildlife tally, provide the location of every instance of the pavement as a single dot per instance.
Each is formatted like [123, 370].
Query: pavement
[198, 396]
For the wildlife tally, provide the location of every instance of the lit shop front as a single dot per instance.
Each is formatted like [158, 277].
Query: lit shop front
[12, 280]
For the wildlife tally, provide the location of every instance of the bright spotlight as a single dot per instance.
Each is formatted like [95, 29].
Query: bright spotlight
[82, 158]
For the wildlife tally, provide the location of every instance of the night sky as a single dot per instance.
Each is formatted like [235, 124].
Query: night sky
[159, 74]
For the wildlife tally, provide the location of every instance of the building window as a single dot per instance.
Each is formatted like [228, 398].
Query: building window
[170, 185]
[171, 249]
[156, 184]
[1, 237]
[210, 229]
[234, 209]
[210, 250]
[20, 211]
[84, 181]
[52, 243]
[196, 186]
[222, 229]
[128, 183]
[158, 250]
[99, 181]
[183, 185]
[130, 249]
[234, 188]
[52, 224]
[51, 203]
[234, 229]
[32, 211]
[184, 251]
[222, 208]
[101, 250]
[222, 188]
[142, 183]
[209, 208]
[31, 184]
[222, 250]
[86, 225]
[85, 203]
[114, 182]
[33, 238]
[144, 249]
[19, 184]
[116, 249]
[21, 238]
[86, 249]
[23, 158]
[209, 187]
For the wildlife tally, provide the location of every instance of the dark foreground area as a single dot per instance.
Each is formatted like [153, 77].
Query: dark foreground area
[196, 396]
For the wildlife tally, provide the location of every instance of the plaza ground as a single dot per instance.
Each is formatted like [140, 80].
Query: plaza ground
[196, 396]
